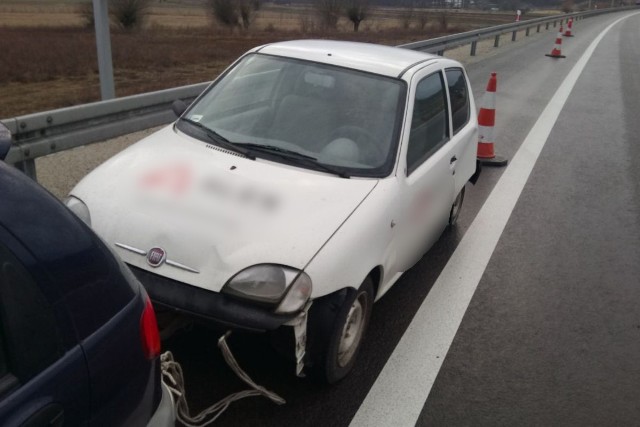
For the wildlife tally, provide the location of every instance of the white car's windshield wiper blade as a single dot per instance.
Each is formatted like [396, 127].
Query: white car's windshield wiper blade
[272, 148]
[290, 154]
[220, 140]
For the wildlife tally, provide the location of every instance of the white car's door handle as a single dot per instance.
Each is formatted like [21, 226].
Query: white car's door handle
[453, 160]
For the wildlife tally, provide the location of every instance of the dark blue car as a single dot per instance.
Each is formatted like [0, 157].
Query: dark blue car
[79, 343]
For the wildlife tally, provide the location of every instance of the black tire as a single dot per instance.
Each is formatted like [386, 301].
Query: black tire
[331, 348]
[456, 208]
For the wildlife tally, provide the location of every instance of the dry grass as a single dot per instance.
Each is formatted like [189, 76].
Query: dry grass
[44, 67]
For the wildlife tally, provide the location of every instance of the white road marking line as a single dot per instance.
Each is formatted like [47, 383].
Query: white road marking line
[401, 390]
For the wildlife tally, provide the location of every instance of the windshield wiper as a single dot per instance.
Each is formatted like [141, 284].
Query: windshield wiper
[290, 154]
[220, 140]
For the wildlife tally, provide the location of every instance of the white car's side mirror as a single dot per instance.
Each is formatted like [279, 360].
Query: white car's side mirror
[178, 107]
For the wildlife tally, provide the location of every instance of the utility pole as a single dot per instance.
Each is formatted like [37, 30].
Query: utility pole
[103, 45]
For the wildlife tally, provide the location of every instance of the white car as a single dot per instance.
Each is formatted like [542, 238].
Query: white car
[294, 192]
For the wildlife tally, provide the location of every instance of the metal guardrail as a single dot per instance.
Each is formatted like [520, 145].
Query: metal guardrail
[40, 134]
[440, 44]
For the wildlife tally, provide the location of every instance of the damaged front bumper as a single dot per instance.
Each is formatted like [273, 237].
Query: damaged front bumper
[211, 307]
[223, 311]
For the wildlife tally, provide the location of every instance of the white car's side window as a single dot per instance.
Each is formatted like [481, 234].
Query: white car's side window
[459, 95]
[429, 122]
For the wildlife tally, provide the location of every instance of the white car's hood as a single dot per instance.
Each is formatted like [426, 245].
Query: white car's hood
[213, 213]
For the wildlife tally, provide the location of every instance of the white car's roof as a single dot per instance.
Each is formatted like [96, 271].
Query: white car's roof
[373, 58]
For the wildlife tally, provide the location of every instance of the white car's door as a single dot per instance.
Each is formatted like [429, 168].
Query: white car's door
[464, 131]
[426, 168]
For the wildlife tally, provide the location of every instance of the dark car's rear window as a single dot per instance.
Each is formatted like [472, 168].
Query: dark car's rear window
[74, 264]
[28, 325]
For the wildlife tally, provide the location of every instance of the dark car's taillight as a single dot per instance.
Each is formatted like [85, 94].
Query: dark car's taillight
[149, 333]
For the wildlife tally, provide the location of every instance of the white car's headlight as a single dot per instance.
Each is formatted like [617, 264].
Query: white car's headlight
[79, 208]
[272, 284]
[297, 296]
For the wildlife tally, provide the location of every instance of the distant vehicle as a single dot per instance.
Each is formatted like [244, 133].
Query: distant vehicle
[295, 190]
[78, 339]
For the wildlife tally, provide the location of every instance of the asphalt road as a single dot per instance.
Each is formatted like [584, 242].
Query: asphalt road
[552, 336]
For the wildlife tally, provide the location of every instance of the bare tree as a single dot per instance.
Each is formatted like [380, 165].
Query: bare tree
[444, 21]
[129, 14]
[408, 13]
[328, 12]
[231, 13]
[307, 24]
[224, 11]
[85, 10]
[357, 11]
[246, 10]
[567, 6]
[422, 13]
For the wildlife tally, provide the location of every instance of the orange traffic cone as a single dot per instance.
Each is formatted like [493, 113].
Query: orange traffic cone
[555, 53]
[486, 121]
[569, 26]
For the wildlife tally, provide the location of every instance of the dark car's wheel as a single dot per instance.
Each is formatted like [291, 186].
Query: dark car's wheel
[337, 325]
[455, 208]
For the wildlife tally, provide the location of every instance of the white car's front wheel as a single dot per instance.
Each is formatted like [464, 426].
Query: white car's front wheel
[338, 330]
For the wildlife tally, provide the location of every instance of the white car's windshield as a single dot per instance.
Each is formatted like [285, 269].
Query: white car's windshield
[338, 117]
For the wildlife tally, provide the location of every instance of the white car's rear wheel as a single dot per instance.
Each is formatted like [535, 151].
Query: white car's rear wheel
[456, 207]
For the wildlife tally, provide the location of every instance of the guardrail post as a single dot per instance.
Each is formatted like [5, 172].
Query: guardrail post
[440, 52]
[527, 32]
[538, 29]
[28, 166]
[473, 47]
[513, 36]
[103, 46]
[554, 24]
[546, 26]
[496, 42]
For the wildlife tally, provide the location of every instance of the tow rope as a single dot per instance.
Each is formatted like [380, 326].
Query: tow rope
[172, 373]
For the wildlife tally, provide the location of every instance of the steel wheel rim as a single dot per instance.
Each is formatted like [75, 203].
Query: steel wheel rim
[352, 331]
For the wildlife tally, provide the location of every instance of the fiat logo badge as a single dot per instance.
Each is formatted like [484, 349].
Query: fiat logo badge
[156, 257]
